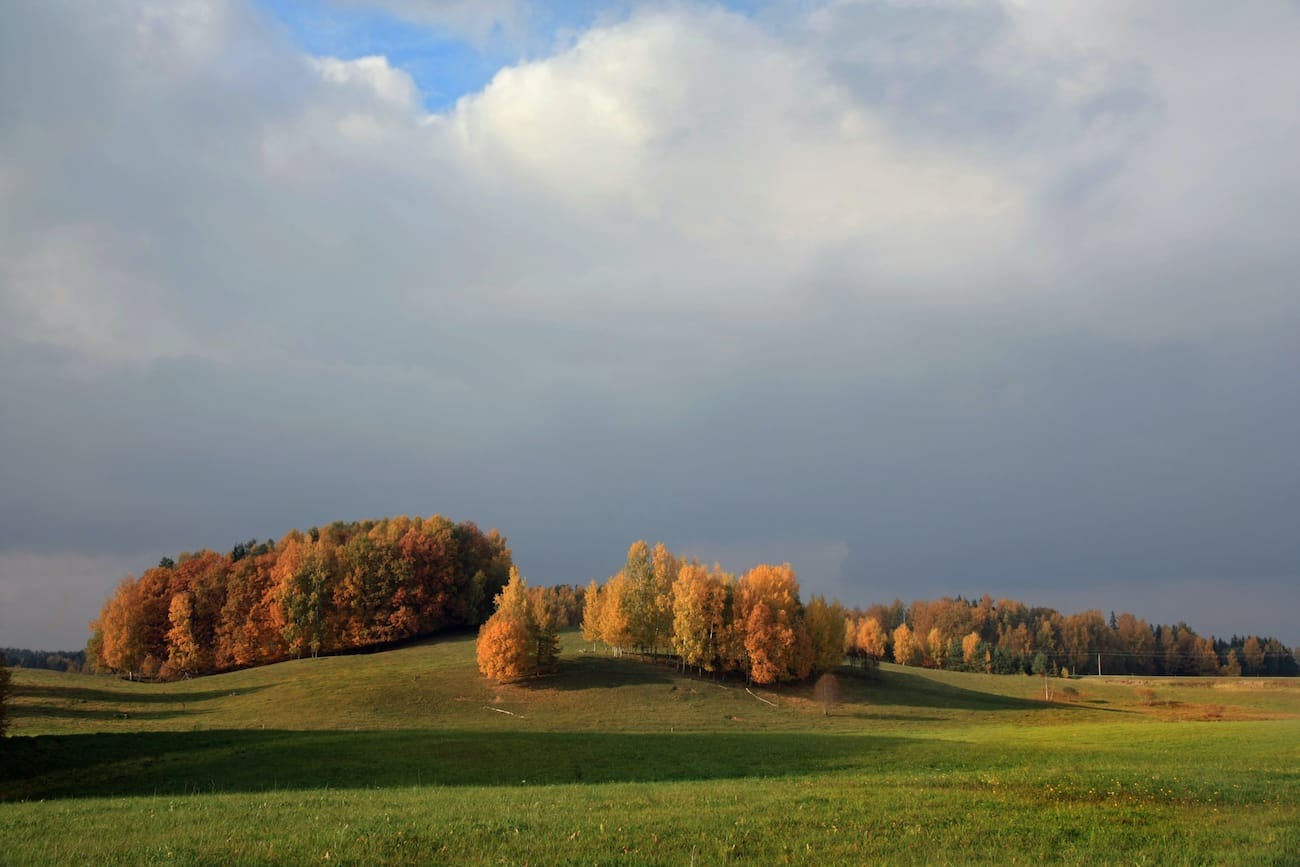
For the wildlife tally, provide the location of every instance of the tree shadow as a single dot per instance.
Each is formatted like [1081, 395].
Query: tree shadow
[125, 695]
[84, 713]
[914, 689]
[593, 671]
[147, 763]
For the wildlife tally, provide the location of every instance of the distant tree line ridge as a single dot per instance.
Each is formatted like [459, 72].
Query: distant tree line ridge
[61, 660]
[1007, 637]
[341, 587]
[757, 626]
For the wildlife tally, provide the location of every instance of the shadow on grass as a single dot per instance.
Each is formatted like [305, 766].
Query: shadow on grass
[40, 711]
[592, 671]
[147, 763]
[125, 694]
[915, 689]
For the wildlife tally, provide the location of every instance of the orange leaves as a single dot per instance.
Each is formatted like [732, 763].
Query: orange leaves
[342, 586]
[504, 649]
[520, 639]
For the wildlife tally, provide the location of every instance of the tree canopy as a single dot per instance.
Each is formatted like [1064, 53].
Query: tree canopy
[340, 587]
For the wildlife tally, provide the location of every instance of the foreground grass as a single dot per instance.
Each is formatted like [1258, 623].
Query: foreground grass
[400, 757]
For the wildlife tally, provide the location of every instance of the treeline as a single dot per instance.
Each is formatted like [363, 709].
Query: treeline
[1008, 637]
[341, 587]
[757, 626]
[64, 660]
[754, 625]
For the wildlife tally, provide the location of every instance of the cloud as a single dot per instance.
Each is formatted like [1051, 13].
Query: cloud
[941, 296]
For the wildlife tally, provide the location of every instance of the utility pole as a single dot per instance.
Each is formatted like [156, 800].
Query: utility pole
[1099, 663]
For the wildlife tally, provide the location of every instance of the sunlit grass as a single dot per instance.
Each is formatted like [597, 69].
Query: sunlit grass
[405, 757]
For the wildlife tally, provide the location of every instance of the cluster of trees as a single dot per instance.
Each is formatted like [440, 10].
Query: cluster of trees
[755, 626]
[1009, 637]
[17, 657]
[340, 587]
[521, 638]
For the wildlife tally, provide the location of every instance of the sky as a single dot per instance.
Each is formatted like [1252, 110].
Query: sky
[925, 298]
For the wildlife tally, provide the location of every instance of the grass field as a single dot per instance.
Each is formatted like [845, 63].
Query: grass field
[405, 756]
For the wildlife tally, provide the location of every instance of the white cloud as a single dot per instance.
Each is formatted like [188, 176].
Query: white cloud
[374, 75]
[684, 239]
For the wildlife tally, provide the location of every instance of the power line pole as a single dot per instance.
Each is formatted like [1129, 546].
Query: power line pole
[1099, 664]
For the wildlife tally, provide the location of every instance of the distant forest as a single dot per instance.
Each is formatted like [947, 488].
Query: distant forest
[59, 660]
[346, 586]
[1007, 636]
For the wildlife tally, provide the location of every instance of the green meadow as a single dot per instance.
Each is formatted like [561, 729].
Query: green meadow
[410, 756]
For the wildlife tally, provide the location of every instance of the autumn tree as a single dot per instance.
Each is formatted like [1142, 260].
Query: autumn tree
[547, 614]
[970, 648]
[1253, 653]
[776, 638]
[693, 617]
[907, 650]
[185, 654]
[615, 627]
[505, 650]
[305, 577]
[591, 613]
[519, 639]
[936, 647]
[827, 692]
[1232, 666]
[871, 638]
[825, 622]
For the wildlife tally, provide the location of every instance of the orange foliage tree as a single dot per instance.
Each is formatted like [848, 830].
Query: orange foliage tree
[346, 585]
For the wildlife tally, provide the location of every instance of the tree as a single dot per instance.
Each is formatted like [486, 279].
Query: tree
[826, 629]
[1232, 667]
[936, 644]
[871, 639]
[907, 650]
[1253, 652]
[694, 617]
[970, 647]
[827, 691]
[776, 639]
[185, 655]
[546, 613]
[591, 613]
[505, 651]
[614, 624]
[519, 639]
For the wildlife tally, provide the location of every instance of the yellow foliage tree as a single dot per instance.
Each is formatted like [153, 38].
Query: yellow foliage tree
[826, 630]
[615, 629]
[907, 650]
[936, 647]
[591, 612]
[776, 638]
[871, 638]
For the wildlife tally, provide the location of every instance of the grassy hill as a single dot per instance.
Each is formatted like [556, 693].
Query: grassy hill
[411, 756]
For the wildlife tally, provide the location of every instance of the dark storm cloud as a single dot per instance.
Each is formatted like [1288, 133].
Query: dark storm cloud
[927, 300]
